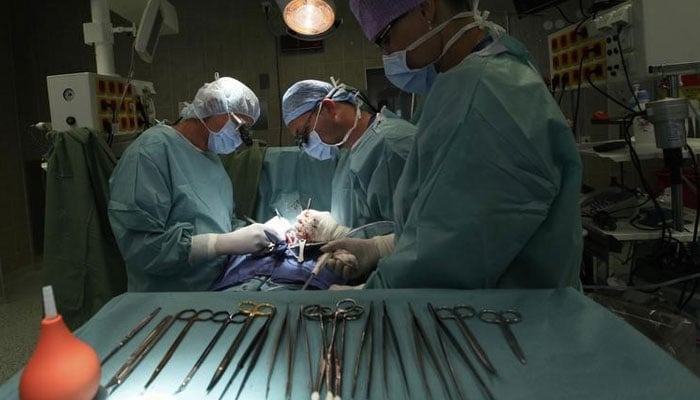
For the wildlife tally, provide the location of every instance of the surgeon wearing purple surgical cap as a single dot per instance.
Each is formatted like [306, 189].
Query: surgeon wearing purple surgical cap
[489, 195]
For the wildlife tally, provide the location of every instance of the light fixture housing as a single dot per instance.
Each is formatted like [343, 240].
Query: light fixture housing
[309, 19]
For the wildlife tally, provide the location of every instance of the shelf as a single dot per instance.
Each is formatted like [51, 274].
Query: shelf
[644, 152]
[625, 232]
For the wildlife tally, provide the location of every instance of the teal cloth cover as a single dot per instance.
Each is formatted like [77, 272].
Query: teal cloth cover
[575, 349]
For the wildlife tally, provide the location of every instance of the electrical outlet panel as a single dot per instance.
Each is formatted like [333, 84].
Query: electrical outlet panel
[650, 33]
[106, 104]
[574, 57]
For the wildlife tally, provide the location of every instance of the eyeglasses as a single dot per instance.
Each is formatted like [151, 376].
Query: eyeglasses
[242, 128]
[302, 136]
[382, 39]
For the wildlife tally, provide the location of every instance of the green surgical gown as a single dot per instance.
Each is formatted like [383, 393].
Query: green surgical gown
[162, 192]
[366, 176]
[489, 197]
[376, 163]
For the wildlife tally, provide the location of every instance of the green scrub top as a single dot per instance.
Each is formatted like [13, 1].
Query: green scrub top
[489, 197]
[376, 163]
[163, 191]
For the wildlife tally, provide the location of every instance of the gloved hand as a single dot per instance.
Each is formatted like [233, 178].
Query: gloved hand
[354, 259]
[318, 226]
[280, 226]
[249, 239]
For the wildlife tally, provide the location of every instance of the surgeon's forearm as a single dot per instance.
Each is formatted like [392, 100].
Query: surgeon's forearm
[203, 248]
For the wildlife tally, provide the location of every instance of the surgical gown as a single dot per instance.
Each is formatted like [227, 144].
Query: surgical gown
[376, 163]
[162, 192]
[365, 178]
[489, 197]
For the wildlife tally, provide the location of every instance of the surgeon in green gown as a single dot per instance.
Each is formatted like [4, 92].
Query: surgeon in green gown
[171, 201]
[489, 196]
[371, 147]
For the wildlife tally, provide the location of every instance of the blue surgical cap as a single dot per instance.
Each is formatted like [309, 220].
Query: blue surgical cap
[303, 97]
[224, 95]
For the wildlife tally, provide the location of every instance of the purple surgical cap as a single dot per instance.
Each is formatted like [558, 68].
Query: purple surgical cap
[375, 15]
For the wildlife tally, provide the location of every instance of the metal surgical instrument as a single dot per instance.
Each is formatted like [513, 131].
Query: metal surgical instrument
[140, 352]
[460, 351]
[130, 335]
[249, 310]
[388, 327]
[504, 319]
[254, 348]
[320, 263]
[225, 321]
[278, 342]
[363, 336]
[190, 316]
[420, 336]
[459, 313]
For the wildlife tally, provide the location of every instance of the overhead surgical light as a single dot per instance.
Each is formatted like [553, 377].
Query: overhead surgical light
[309, 19]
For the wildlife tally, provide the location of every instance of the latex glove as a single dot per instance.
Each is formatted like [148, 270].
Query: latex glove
[249, 239]
[280, 226]
[354, 259]
[318, 226]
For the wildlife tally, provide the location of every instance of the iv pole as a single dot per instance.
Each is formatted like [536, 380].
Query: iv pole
[669, 117]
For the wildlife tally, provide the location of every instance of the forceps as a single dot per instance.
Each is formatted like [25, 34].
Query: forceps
[331, 361]
[504, 319]
[190, 316]
[459, 313]
[250, 310]
[130, 335]
[140, 352]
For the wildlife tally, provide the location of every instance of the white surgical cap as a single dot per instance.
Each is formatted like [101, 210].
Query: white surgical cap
[222, 96]
[303, 96]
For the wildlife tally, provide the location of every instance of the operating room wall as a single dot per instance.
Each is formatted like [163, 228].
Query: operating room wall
[232, 37]
[15, 239]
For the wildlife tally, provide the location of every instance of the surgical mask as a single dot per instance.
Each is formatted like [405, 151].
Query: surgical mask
[420, 80]
[226, 140]
[315, 148]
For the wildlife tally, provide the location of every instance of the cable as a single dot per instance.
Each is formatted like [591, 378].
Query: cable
[690, 296]
[624, 67]
[580, 6]
[697, 195]
[277, 67]
[564, 15]
[601, 91]
[578, 91]
[561, 95]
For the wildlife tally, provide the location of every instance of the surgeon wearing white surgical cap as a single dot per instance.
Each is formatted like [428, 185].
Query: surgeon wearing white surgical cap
[171, 200]
[370, 145]
[489, 196]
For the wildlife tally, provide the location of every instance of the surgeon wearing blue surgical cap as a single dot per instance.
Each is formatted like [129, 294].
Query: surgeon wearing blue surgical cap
[171, 201]
[370, 146]
[489, 196]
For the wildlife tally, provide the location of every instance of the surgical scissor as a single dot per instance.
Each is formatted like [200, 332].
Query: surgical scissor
[225, 319]
[249, 310]
[459, 313]
[190, 316]
[504, 319]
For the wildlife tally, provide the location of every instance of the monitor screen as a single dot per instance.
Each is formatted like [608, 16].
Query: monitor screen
[525, 7]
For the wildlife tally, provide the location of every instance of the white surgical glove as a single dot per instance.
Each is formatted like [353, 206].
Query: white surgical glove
[319, 226]
[280, 226]
[249, 239]
[354, 259]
